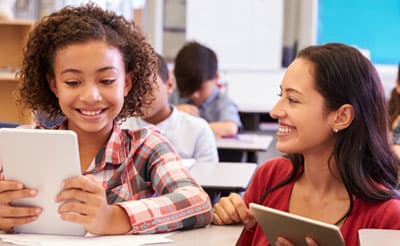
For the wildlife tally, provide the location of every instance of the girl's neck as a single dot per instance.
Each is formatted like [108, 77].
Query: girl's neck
[89, 145]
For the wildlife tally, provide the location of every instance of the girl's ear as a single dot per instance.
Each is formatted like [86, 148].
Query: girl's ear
[128, 84]
[344, 116]
[52, 85]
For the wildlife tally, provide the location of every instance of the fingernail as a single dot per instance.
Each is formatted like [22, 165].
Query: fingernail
[32, 192]
[20, 186]
[38, 211]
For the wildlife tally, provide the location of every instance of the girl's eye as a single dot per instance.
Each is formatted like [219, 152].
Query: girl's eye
[72, 82]
[107, 81]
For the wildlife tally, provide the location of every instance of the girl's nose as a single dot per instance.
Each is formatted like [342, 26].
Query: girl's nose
[91, 93]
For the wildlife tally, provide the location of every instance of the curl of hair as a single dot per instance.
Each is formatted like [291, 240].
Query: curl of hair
[72, 25]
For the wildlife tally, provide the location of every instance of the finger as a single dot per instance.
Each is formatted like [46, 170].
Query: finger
[83, 183]
[217, 220]
[230, 209]
[74, 207]
[81, 219]
[9, 196]
[311, 242]
[220, 210]
[281, 241]
[75, 194]
[7, 223]
[16, 212]
[243, 212]
[9, 185]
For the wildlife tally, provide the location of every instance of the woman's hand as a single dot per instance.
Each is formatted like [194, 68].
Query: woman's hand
[231, 210]
[281, 241]
[10, 215]
[84, 202]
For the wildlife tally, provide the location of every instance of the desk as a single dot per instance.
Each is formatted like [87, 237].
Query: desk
[243, 147]
[210, 235]
[223, 176]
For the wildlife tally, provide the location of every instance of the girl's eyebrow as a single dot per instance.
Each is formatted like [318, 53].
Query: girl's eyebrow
[72, 70]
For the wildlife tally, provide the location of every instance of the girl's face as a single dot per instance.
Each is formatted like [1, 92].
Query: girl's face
[90, 84]
[304, 125]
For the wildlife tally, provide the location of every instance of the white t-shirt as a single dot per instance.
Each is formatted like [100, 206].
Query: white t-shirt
[191, 136]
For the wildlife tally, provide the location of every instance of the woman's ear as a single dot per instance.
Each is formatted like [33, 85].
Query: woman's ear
[52, 85]
[344, 116]
[128, 84]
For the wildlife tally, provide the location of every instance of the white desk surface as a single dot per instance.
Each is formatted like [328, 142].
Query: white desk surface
[249, 142]
[224, 175]
[210, 235]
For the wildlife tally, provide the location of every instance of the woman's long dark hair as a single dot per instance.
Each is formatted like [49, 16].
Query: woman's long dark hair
[363, 153]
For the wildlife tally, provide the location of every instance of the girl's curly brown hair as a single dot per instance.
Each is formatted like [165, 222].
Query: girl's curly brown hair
[73, 25]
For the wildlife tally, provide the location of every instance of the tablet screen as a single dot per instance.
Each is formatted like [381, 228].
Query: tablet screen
[41, 159]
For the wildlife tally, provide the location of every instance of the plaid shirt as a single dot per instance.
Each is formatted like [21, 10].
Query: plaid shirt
[141, 172]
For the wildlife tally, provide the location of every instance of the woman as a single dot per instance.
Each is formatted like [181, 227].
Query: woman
[340, 168]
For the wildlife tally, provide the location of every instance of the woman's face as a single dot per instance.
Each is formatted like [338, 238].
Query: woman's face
[304, 124]
[90, 84]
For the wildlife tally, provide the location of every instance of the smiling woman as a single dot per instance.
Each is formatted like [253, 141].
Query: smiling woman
[92, 68]
[340, 168]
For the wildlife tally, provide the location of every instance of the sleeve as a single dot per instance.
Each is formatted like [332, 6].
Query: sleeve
[181, 203]
[230, 112]
[205, 145]
[388, 215]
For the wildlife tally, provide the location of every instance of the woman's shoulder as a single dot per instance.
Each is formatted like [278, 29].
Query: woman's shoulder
[277, 165]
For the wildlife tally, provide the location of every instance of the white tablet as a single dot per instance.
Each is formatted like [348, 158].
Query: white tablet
[41, 159]
[295, 228]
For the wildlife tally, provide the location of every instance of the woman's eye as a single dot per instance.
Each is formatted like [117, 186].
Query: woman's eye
[291, 100]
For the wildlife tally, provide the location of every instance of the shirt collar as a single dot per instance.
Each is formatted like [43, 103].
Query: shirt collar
[115, 150]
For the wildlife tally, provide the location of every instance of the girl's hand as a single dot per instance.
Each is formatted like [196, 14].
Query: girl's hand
[84, 202]
[281, 241]
[10, 215]
[232, 209]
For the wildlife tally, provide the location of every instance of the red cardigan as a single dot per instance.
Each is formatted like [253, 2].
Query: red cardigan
[384, 215]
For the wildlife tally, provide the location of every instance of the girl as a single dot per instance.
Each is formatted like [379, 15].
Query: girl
[94, 68]
[340, 168]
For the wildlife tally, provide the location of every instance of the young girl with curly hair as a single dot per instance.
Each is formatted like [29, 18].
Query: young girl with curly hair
[94, 68]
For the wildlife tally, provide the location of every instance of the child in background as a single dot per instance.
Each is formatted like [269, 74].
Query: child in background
[196, 73]
[191, 136]
[340, 168]
[94, 68]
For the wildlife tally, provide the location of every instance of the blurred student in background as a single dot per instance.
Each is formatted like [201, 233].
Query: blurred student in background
[191, 136]
[196, 74]
[340, 168]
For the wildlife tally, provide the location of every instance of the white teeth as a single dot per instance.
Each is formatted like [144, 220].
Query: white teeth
[284, 129]
[91, 113]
